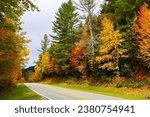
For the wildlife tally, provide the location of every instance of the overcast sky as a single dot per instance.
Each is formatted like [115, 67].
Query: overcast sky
[36, 24]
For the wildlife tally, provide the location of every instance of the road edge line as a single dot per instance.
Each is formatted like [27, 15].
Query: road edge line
[39, 93]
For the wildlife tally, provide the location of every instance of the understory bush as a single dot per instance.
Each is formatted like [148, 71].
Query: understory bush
[132, 83]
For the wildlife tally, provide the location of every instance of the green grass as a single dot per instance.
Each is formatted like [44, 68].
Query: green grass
[126, 93]
[20, 92]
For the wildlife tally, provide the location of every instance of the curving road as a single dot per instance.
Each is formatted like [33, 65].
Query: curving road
[57, 93]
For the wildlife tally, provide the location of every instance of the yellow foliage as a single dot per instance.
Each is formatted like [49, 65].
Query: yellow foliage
[45, 61]
[110, 51]
[43, 65]
[34, 77]
[12, 56]
[84, 36]
[37, 68]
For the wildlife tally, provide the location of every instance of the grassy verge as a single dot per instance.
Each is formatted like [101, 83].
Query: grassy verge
[20, 92]
[126, 93]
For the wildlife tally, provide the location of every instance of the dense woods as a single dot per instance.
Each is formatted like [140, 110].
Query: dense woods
[111, 46]
[13, 50]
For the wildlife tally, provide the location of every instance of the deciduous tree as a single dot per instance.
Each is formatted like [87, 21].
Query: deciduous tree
[78, 56]
[142, 30]
[110, 50]
[13, 49]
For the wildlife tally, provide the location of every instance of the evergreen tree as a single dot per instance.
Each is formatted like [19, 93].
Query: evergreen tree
[121, 11]
[66, 35]
[44, 44]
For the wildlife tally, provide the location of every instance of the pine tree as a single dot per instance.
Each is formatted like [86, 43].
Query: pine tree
[121, 11]
[110, 50]
[65, 35]
[44, 44]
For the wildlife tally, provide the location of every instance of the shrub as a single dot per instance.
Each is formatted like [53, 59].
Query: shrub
[5, 84]
[21, 80]
[132, 83]
[33, 78]
[118, 80]
[126, 69]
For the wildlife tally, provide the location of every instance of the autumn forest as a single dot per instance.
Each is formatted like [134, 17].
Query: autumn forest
[111, 47]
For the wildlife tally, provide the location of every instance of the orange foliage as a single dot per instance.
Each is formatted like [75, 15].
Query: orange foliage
[5, 53]
[51, 66]
[76, 55]
[4, 33]
[139, 76]
[5, 57]
[1, 52]
[142, 30]
[12, 48]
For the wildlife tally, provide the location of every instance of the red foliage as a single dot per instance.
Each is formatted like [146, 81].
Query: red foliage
[77, 54]
[51, 66]
[140, 75]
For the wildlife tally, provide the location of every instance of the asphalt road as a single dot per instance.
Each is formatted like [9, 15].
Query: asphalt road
[57, 93]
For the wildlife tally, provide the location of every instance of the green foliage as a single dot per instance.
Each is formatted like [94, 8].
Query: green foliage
[121, 11]
[14, 9]
[28, 75]
[126, 69]
[105, 79]
[126, 93]
[132, 83]
[13, 50]
[44, 44]
[12, 58]
[20, 92]
[106, 53]
[66, 35]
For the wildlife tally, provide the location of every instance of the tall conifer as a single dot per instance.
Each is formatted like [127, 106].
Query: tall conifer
[65, 34]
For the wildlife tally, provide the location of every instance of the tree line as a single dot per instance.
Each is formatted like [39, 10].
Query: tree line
[13, 50]
[114, 44]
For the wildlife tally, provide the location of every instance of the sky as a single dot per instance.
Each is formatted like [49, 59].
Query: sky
[36, 24]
